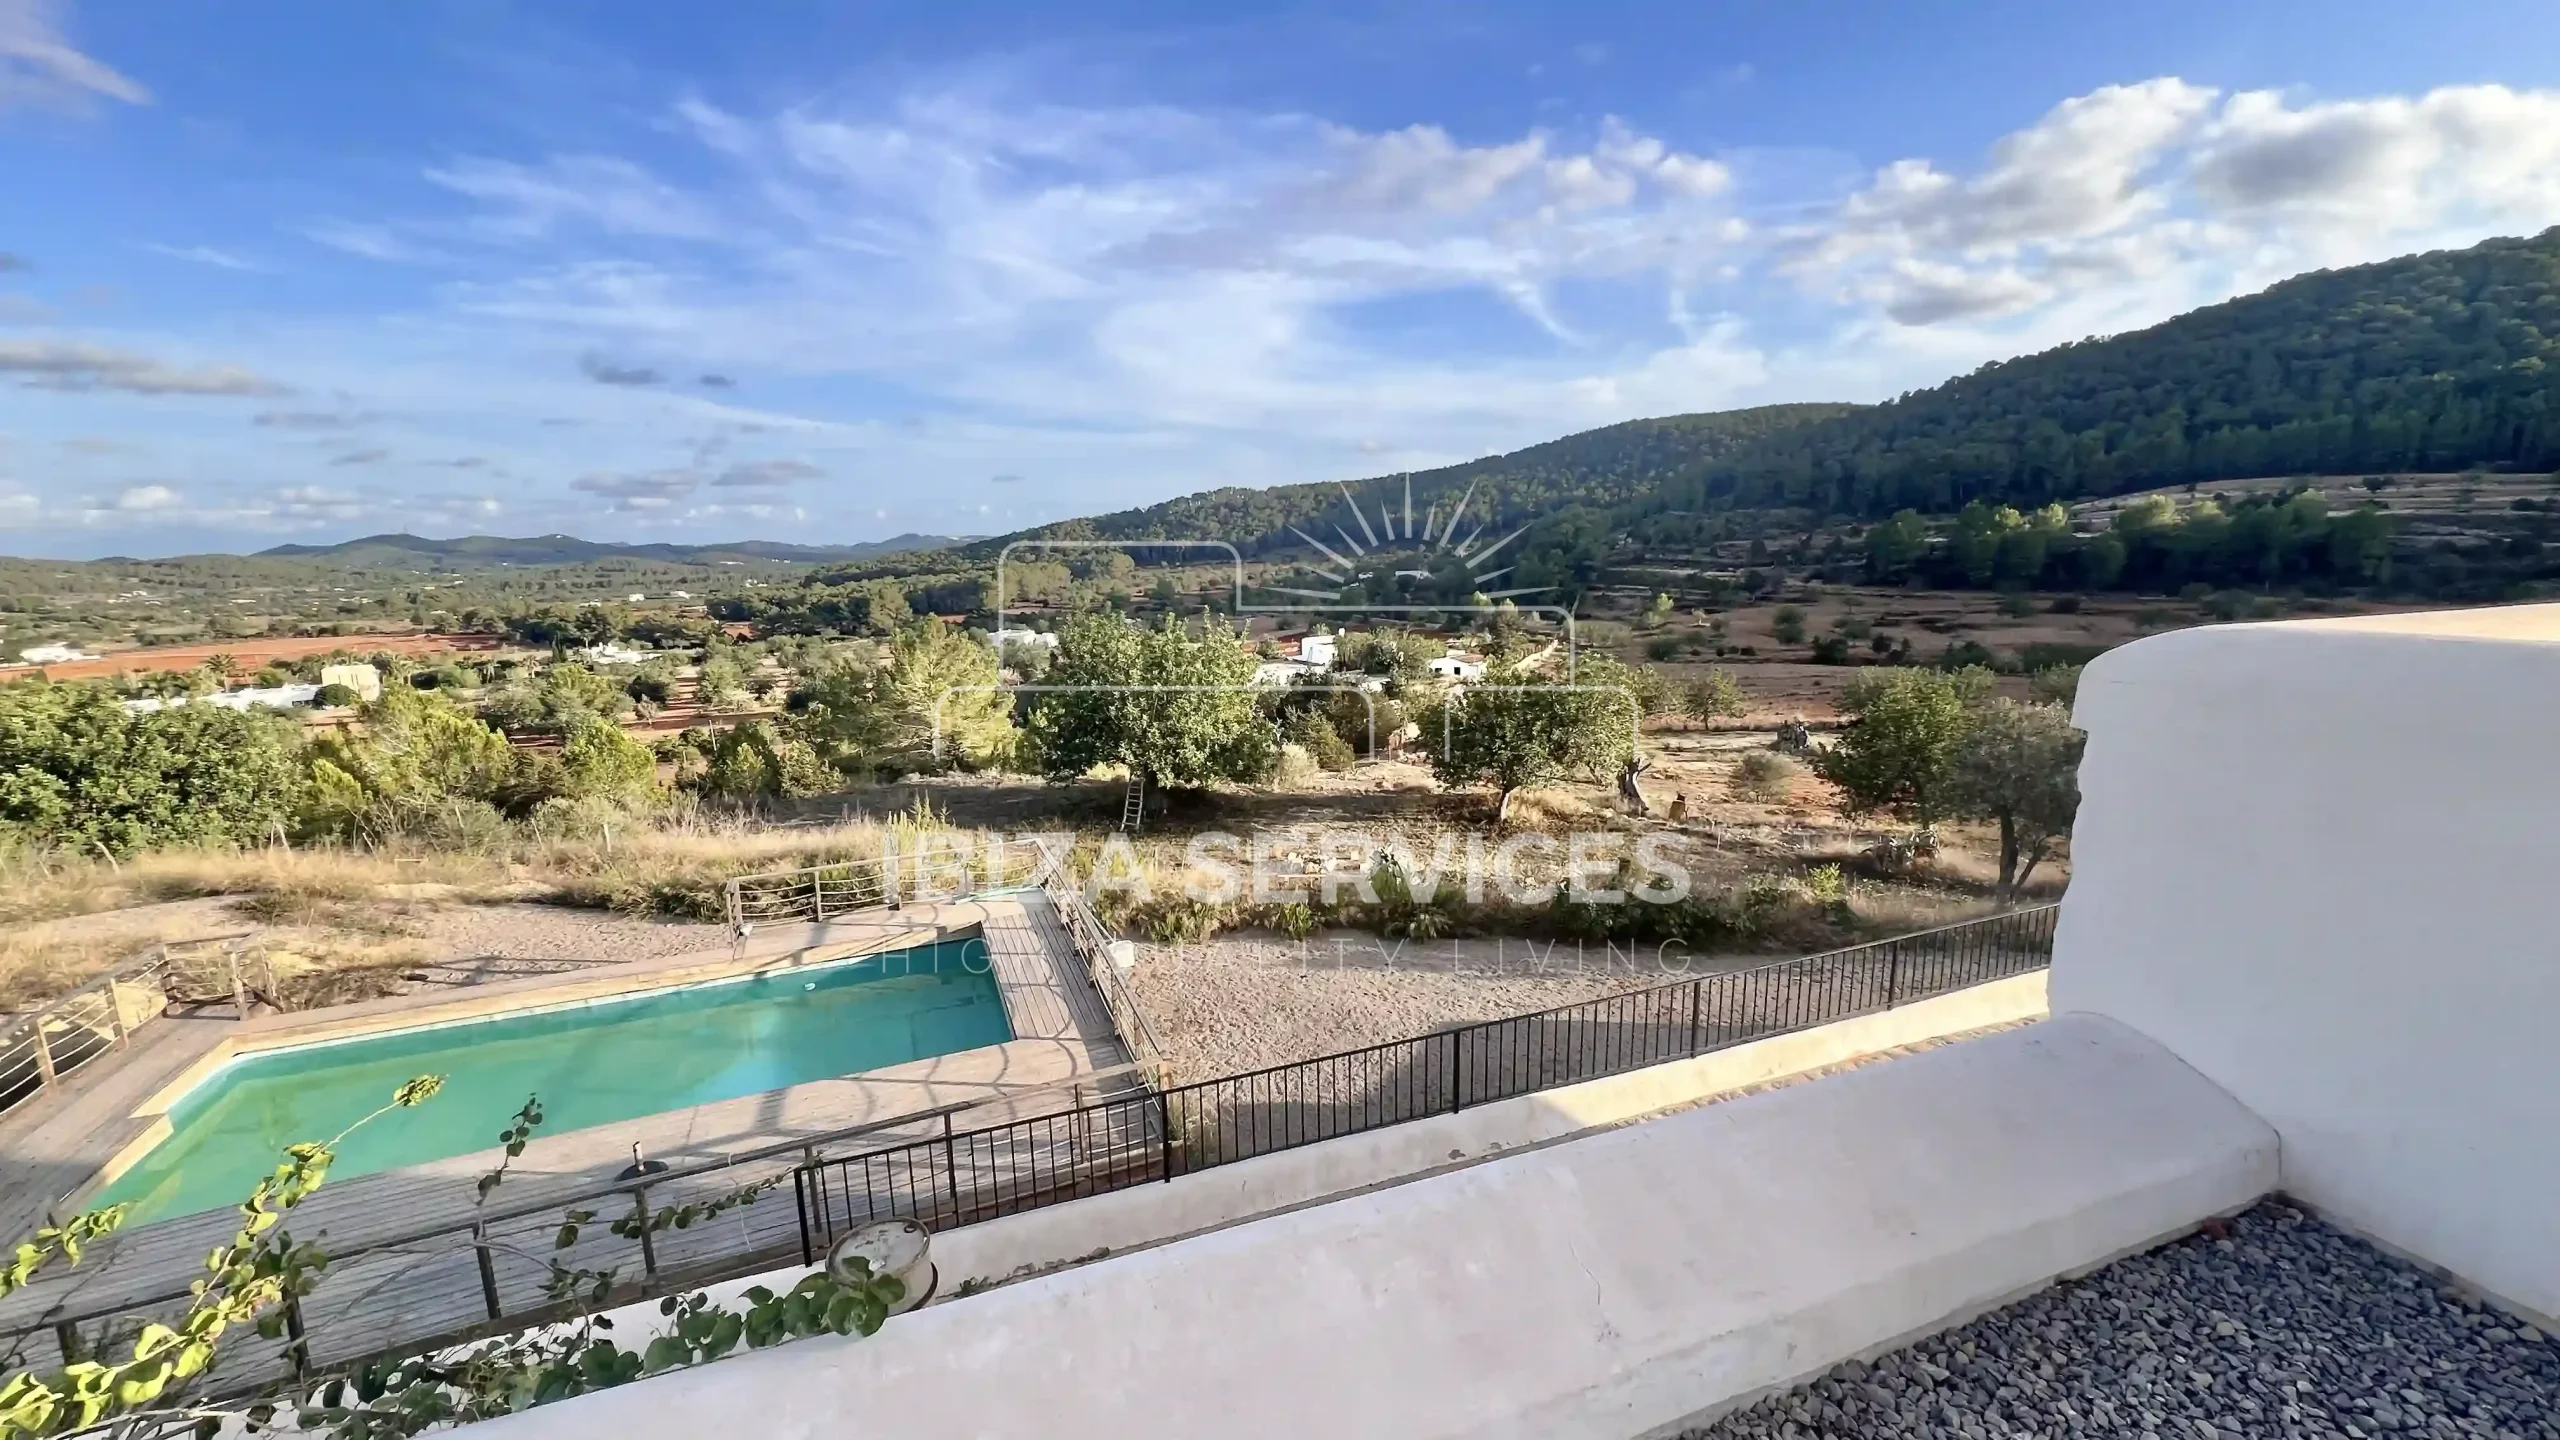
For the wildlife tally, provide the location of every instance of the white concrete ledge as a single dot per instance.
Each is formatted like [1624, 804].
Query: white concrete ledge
[1611, 1286]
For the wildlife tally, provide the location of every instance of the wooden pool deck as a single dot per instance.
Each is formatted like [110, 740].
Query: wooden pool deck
[1062, 1034]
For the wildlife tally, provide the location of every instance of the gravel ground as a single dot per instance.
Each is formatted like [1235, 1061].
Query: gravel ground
[1239, 1003]
[2278, 1326]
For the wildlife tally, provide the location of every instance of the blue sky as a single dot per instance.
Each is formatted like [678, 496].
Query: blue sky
[299, 269]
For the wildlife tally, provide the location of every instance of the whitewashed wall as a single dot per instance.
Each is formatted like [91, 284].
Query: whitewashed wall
[2321, 863]
[1607, 1287]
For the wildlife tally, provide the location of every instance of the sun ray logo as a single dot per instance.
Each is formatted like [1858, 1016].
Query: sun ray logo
[1398, 547]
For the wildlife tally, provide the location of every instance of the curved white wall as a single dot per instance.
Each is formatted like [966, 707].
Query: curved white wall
[2321, 863]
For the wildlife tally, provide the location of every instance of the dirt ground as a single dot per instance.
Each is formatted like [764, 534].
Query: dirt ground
[56, 955]
[1245, 1001]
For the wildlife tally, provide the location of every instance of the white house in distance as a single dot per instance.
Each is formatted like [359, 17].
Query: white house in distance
[612, 654]
[1457, 667]
[1316, 650]
[359, 677]
[1021, 635]
[54, 654]
[255, 697]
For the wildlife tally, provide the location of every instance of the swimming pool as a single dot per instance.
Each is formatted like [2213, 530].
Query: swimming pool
[592, 1063]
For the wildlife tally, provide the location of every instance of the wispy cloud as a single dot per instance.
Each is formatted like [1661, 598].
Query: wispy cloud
[68, 365]
[766, 474]
[312, 419]
[642, 492]
[39, 66]
[605, 372]
[202, 255]
[370, 242]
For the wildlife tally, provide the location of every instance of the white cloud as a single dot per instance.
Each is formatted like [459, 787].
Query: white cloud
[140, 498]
[39, 65]
[1922, 292]
[2150, 198]
[2397, 162]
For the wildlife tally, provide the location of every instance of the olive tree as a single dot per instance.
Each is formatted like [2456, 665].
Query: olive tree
[2018, 765]
[1713, 696]
[1896, 756]
[1177, 711]
[1518, 730]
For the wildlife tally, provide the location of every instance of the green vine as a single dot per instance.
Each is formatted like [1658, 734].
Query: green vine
[245, 1283]
[254, 1279]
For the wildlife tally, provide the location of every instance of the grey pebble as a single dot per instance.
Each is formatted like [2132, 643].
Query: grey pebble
[2283, 1328]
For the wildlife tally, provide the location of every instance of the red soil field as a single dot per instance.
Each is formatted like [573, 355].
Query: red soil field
[250, 653]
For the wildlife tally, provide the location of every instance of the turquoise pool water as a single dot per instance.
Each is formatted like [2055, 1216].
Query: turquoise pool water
[592, 1064]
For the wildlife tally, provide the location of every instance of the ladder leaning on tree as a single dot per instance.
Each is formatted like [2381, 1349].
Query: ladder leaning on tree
[1133, 804]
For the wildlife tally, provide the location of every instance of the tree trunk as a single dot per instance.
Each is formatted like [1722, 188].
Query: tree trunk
[1502, 806]
[2034, 856]
[2008, 859]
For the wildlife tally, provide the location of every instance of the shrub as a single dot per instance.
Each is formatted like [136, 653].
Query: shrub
[2055, 655]
[332, 697]
[2063, 605]
[1662, 647]
[1295, 919]
[1787, 624]
[1968, 655]
[1766, 776]
[1323, 744]
[2017, 605]
[1831, 650]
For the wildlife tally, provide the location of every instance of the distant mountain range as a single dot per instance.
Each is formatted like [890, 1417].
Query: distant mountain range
[476, 551]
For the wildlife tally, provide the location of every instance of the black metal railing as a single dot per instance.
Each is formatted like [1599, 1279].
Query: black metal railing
[405, 1290]
[978, 1174]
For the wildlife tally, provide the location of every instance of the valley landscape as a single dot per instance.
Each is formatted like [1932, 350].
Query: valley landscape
[1017, 703]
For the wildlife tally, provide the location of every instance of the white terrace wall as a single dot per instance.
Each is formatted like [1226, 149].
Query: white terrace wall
[1609, 1287]
[2319, 862]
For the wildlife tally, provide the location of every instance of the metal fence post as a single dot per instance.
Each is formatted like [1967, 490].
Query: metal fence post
[44, 1053]
[800, 1197]
[1456, 1076]
[1694, 986]
[648, 1246]
[488, 1267]
[1164, 1132]
[951, 1166]
[1893, 974]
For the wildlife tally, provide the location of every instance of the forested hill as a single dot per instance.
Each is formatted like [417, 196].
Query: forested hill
[1600, 467]
[2431, 362]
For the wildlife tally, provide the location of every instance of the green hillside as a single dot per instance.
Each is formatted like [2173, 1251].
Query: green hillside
[2433, 362]
[1603, 467]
